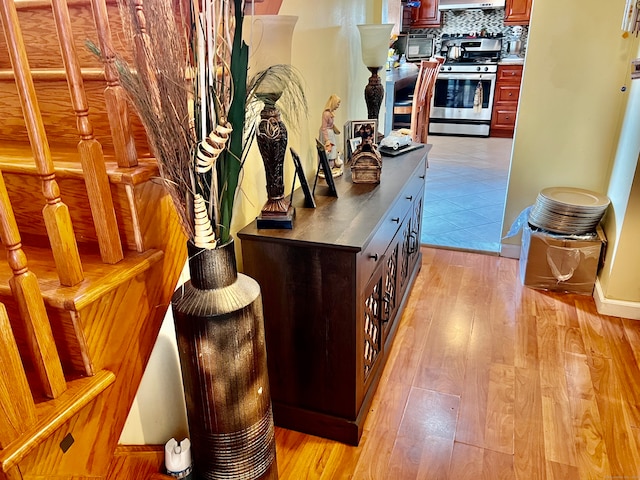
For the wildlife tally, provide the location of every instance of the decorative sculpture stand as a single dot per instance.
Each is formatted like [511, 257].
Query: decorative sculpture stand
[272, 142]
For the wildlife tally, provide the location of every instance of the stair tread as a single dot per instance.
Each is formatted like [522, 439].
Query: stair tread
[99, 277]
[52, 414]
[18, 158]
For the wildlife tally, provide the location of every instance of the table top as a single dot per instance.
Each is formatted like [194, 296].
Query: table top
[348, 220]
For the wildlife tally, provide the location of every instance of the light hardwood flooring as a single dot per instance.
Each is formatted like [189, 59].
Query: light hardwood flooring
[491, 380]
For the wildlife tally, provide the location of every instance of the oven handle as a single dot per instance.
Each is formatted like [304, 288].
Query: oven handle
[466, 76]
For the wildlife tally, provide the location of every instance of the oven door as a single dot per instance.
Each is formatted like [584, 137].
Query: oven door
[457, 96]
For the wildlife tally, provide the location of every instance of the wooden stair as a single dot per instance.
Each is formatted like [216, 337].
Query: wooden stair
[93, 245]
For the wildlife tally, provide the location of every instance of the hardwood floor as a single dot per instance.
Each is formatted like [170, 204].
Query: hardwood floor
[488, 379]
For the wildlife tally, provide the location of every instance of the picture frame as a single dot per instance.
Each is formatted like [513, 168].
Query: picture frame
[309, 201]
[359, 127]
[323, 163]
[353, 144]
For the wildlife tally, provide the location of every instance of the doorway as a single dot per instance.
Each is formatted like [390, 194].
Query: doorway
[465, 192]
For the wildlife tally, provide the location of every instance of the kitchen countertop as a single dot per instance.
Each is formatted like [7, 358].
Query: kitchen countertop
[511, 61]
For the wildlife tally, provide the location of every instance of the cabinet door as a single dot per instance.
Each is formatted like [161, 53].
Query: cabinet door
[517, 12]
[372, 324]
[427, 15]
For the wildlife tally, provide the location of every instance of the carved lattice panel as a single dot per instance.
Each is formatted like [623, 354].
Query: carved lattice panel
[406, 249]
[372, 311]
[390, 283]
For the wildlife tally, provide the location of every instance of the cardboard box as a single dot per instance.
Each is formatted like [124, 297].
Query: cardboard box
[561, 263]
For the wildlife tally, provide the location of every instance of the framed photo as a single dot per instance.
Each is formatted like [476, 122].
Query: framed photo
[364, 128]
[309, 201]
[323, 163]
[352, 144]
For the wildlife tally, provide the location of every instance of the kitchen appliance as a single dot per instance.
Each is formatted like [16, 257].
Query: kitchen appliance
[419, 46]
[470, 4]
[463, 94]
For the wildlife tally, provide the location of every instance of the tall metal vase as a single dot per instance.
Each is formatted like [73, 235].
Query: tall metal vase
[220, 329]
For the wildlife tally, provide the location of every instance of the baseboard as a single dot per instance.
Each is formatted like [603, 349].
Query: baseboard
[510, 251]
[615, 308]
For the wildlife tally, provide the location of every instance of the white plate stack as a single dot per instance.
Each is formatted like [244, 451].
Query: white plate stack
[568, 210]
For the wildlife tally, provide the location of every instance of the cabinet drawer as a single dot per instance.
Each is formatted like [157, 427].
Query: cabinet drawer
[373, 253]
[504, 118]
[510, 74]
[507, 93]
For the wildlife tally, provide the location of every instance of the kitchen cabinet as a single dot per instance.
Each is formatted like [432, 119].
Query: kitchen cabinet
[426, 16]
[517, 12]
[505, 100]
[333, 290]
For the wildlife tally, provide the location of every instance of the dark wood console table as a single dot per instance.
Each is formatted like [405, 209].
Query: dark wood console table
[333, 289]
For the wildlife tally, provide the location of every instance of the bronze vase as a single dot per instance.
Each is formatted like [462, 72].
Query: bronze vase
[220, 330]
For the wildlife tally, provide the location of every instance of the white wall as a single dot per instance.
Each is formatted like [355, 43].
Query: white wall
[326, 50]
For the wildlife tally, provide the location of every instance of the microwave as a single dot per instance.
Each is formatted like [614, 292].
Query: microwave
[419, 46]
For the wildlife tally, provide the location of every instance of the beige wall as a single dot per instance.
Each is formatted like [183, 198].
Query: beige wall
[326, 51]
[570, 104]
[569, 122]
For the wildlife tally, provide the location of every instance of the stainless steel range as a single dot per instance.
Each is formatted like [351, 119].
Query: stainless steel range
[464, 89]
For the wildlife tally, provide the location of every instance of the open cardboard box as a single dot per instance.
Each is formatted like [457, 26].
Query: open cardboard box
[561, 263]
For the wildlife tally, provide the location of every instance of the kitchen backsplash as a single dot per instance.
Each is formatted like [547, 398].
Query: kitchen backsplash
[470, 21]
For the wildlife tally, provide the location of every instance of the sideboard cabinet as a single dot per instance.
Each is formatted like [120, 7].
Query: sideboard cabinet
[333, 290]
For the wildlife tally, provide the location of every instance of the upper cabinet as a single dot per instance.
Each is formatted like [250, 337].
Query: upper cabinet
[427, 16]
[517, 12]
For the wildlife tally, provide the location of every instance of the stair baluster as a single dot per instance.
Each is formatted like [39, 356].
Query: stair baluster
[56, 213]
[26, 292]
[91, 155]
[18, 411]
[114, 95]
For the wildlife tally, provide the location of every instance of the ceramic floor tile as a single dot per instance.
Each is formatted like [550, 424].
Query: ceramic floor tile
[465, 192]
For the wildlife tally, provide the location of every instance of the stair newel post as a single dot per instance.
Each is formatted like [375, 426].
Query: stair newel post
[114, 95]
[91, 155]
[26, 292]
[56, 214]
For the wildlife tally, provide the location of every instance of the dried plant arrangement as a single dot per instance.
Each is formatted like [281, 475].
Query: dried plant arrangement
[188, 84]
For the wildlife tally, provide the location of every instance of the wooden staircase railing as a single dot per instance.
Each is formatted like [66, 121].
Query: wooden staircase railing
[56, 213]
[76, 322]
[91, 155]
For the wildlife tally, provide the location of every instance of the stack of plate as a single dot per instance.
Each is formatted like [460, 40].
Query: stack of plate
[567, 210]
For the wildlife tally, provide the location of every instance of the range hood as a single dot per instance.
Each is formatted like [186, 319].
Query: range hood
[470, 4]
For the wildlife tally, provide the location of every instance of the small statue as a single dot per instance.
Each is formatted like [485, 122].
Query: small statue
[328, 132]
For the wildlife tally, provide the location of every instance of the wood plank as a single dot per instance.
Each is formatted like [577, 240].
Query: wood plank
[529, 459]
[425, 437]
[467, 462]
[499, 425]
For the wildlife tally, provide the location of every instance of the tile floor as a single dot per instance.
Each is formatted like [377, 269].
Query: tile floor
[465, 192]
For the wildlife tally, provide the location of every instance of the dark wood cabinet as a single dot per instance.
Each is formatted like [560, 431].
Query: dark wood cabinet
[426, 16]
[505, 101]
[333, 289]
[517, 12]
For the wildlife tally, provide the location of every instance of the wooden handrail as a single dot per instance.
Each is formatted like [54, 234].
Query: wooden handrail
[18, 411]
[27, 294]
[56, 213]
[114, 95]
[91, 155]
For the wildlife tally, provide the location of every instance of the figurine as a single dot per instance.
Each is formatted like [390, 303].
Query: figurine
[328, 132]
